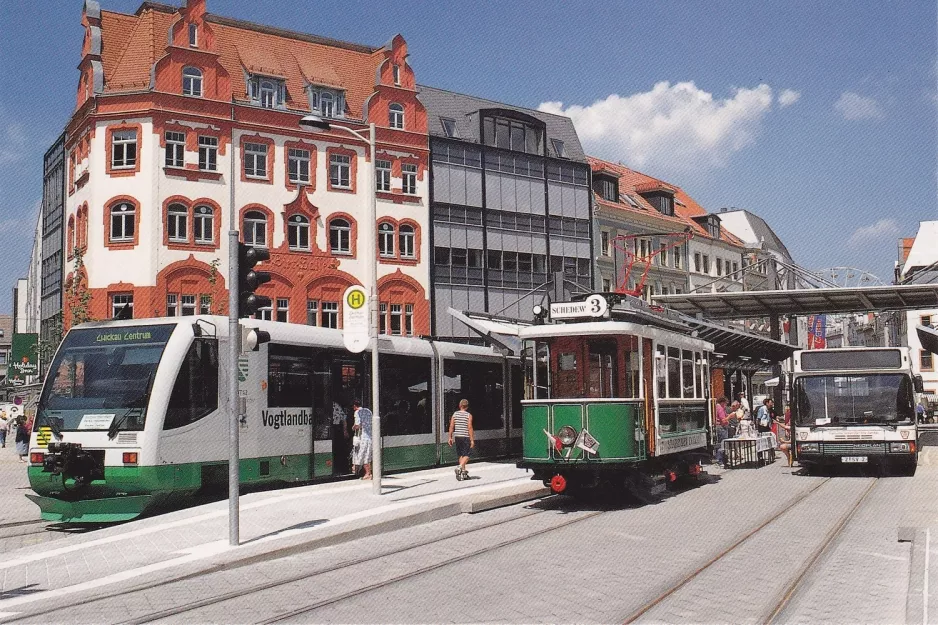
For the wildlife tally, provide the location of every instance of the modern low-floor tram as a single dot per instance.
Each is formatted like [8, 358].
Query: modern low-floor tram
[133, 413]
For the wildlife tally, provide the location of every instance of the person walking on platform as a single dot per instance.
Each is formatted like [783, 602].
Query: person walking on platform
[460, 429]
[22, 439]
[720, 430]
[764, 416]
[733, 419]
[743, 403]
[361, 457]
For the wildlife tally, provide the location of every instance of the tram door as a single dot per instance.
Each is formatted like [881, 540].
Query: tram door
[337, 382]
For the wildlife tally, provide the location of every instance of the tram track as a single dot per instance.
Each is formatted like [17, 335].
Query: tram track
[791, 588]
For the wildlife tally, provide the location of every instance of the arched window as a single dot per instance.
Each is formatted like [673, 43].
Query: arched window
[176, 218]
[70, 244]
[340, 236]
[407, 241]
[204, 224]
[386, 240]
[268, 92]
[396, 115]
[192, 81]
[122, 222]
[255, 229]
[326, 104]
[298, 232]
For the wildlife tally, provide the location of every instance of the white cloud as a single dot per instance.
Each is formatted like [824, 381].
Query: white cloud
[13, 144]
[884, 228]
[671, 127]
[855, 106]
[787, 97]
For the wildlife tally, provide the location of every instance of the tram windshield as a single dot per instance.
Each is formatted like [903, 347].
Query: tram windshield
[102, 375]
[853, 399]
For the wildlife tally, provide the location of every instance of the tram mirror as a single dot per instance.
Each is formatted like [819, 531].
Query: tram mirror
[919, 383]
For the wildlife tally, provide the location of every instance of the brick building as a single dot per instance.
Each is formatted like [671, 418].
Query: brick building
[171, 101]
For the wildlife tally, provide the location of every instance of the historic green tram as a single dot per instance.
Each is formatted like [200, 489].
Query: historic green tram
[616, 391]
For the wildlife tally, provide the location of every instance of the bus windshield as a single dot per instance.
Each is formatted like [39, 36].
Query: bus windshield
[100, 375]
[853, 399]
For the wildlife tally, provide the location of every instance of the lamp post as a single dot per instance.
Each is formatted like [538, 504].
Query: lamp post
[234, 348]
[315, 123]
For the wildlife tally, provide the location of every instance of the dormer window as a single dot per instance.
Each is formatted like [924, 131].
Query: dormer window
[512, 134]
[449, 127]
[268, 92]
[396, 116]
[607, 186]
[559, 149]
[663, 201]
[396, 71]
[193, 36]
[713, 227]
[192, 81]
[327, 102]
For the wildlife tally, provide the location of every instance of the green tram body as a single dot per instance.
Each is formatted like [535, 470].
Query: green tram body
[180, 437]
[638, 384]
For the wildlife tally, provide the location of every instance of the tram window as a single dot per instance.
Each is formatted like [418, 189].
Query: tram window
[517, 382]
[687, 373]
[632, 373]
[701, 375]
[674, 373]
[661, 372]
[536, 376]
[195, 394]
[289, 383]
[406, 405]
[602, 370]
[481, 384]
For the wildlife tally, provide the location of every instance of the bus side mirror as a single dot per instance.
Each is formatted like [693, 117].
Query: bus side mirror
[918, 383]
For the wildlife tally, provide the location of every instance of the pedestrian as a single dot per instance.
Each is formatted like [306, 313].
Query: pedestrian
[764, 416]
[460, 428]
[920, 412]
[784, 439]
[720, 430]
[361, 456]
[743, 403]
[22, 439]
[733, 418]
[4, 427]
[340, 436]
[746, 429]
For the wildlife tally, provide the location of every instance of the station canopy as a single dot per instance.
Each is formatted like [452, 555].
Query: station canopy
[752, 304]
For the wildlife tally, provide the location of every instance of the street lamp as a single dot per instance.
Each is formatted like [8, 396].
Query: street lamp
[315, 123]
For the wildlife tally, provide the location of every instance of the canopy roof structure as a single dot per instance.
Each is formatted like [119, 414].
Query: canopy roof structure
[750, 304]
[735, 349]
[928, 337]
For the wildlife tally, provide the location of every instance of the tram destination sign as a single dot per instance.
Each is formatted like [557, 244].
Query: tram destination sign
[592, 307]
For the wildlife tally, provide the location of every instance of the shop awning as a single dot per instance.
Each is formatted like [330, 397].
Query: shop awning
[752, 304]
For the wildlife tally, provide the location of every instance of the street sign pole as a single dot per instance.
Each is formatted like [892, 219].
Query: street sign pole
[234, 352]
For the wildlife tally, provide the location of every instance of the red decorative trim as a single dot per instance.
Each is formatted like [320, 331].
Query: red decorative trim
[70, 241]
[299, 145]
[271, 158]
[81, 227]
[399, 198]
[353, 169]
[268, 214]
[121, 245]
[399, 288]
[188, 277]
[193, 174]
[190, 243]
[397, 259]
[301, 206]
[353, 235]
[109, 137]
[82, 179]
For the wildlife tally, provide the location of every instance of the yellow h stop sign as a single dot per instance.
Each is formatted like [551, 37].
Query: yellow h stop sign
[355, 319]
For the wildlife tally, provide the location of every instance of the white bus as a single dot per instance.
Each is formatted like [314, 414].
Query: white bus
[855, 405]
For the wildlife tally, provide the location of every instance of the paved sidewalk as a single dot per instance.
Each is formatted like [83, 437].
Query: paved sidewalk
[275, 522]
[14, 507]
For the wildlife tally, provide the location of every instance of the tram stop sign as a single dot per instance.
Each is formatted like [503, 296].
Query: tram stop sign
[355, 319]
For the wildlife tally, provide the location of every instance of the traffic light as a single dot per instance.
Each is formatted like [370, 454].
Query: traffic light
[249, 280]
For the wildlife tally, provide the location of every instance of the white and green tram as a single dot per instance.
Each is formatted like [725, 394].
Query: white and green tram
[133, 413]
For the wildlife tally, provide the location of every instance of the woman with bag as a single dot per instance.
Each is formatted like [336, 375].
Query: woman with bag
[361, 454]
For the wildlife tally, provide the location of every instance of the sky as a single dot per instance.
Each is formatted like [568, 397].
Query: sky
[820, 117]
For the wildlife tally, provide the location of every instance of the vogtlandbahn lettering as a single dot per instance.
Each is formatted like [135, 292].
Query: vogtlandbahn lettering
[284, 418]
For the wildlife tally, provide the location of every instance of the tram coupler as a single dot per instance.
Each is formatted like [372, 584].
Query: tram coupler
[73, 462]
[558, 484]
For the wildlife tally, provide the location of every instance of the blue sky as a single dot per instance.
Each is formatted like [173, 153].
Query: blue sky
[818, 116]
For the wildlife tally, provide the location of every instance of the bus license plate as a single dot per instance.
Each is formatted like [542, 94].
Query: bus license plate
[853, 459]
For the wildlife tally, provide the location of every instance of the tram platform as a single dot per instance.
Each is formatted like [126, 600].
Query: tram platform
[272, 523]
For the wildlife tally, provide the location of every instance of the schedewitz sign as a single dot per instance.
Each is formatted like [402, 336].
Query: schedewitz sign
[592, 306]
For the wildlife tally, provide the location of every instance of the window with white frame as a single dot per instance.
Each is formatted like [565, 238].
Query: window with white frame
[383, 318]
[396, 73]
[124, 149]
[330, 315]
[205, 304]
[255, 160]
[267, 93]
[327, 102]
[188, 306]
[172, 305]
[312, 312]
[382, 175]
[409, 178]
[678, 256]
[204, 224]
[607, 285]
[663, 254]
[175, 148]
[340, 166]
[119, 301]
[193, 36]
[340, 236]
[298, 165]
[604, 242]
[255, 229]
[396, 319]
[208, 153]
[283, 309]
[192, 81]
[409, 319]
[449, 127]
[407, 239]
[298, 232]
[706, 264]
[123, 222]
[265, 314]
[719, 266]
[176, 218]
[386, 240]
[697, 265]
[395, 115]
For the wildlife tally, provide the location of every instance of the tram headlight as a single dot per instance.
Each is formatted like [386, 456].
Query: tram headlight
[566, 435]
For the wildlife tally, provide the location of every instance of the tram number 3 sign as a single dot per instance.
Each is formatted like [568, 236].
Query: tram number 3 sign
[592, 306]
[355, 319]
